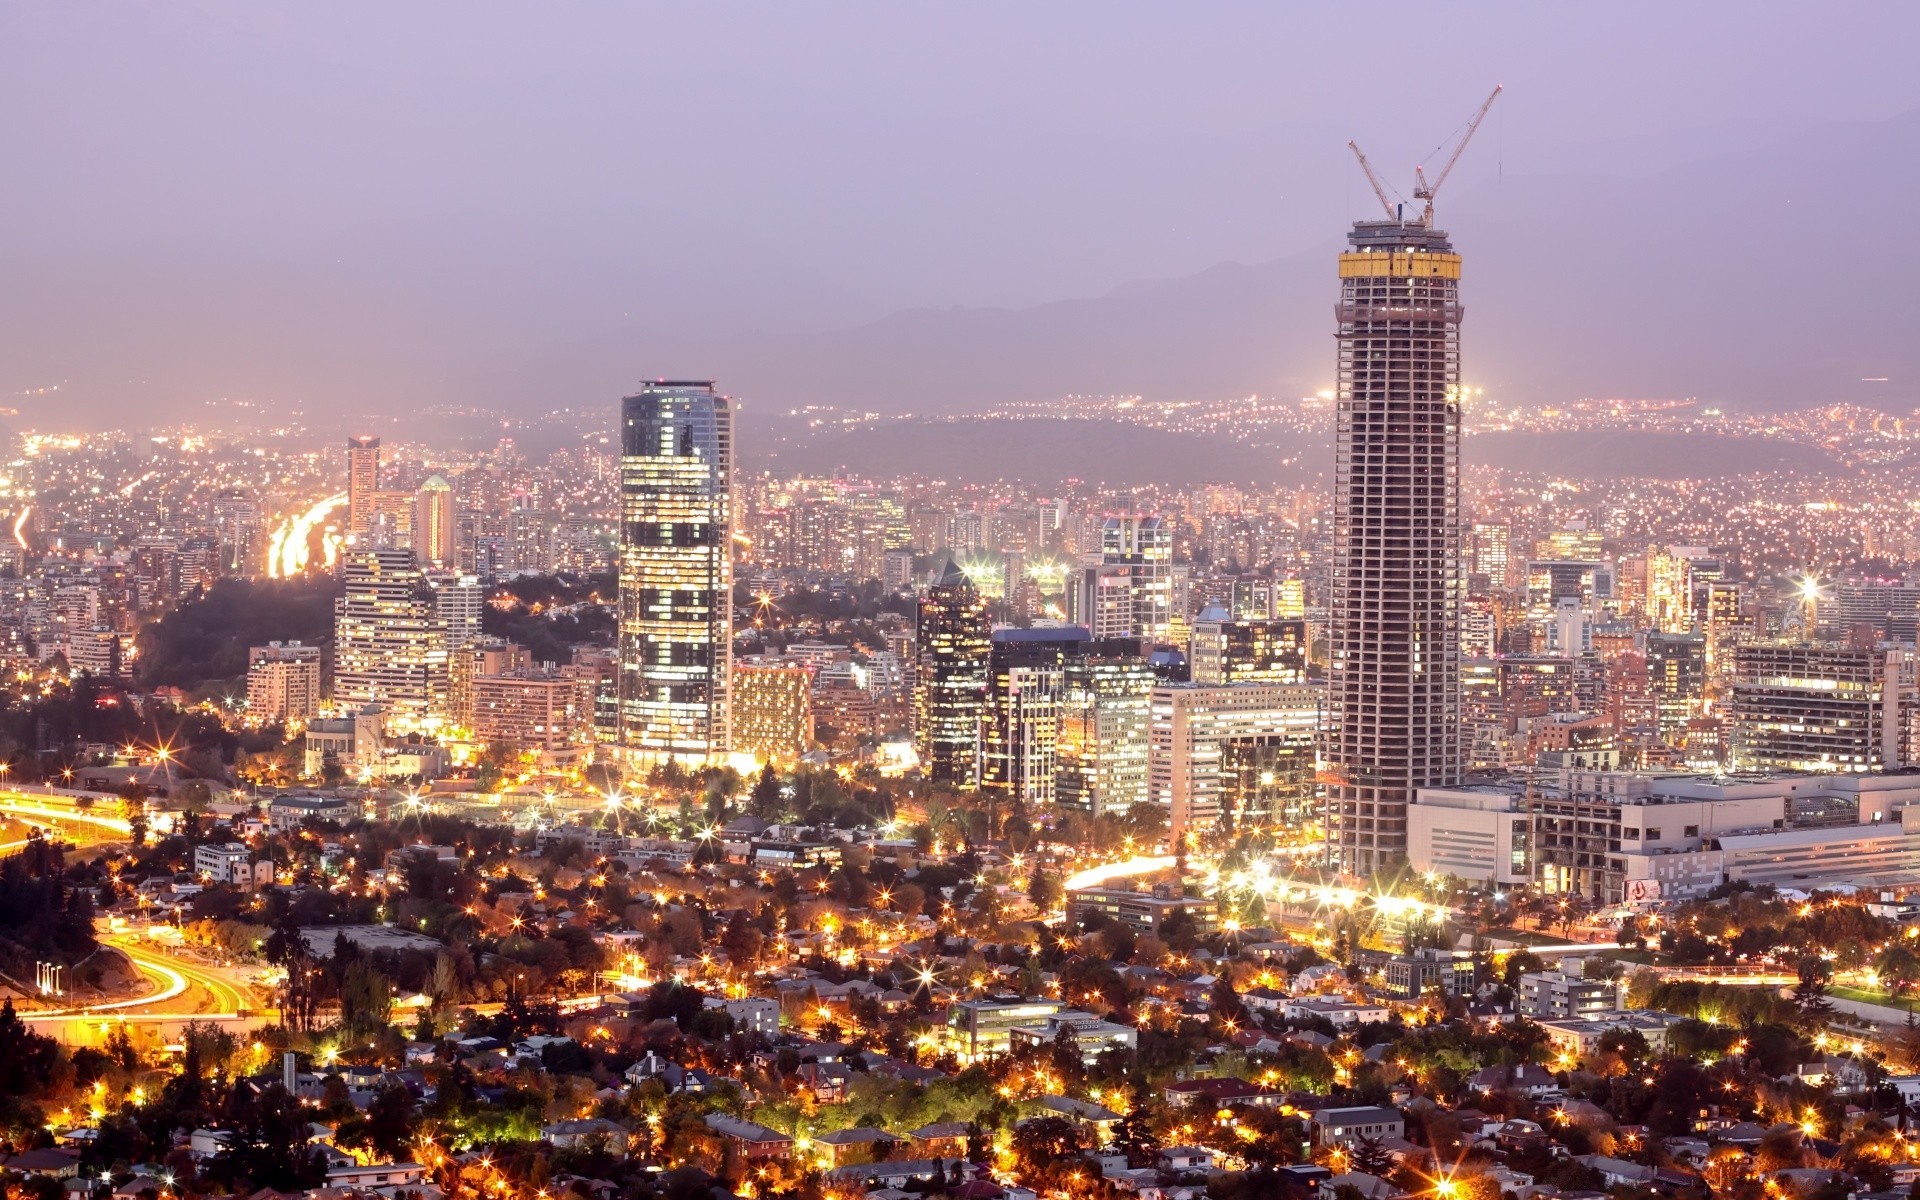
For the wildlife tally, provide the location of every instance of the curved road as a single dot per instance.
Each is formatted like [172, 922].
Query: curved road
[183, 992]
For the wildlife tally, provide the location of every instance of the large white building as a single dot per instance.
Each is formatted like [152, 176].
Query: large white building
[1633, 836]
[1478, 833]
[1244, 750]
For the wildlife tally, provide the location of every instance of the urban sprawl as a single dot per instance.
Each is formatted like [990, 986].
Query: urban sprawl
[623, 823]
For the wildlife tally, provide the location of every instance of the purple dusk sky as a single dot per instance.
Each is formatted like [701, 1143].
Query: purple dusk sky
[369, 204]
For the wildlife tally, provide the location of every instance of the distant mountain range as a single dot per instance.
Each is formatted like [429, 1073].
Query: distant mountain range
[1770, 279]
[1048, 452]
[1766, 279]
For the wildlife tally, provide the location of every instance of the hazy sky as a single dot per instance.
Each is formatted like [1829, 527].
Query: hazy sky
[235, 197]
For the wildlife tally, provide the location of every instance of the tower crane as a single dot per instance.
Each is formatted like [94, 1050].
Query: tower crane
[1423, 190]
[1379, 189]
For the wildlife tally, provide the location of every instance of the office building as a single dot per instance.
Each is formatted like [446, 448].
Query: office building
[1821, 706]
[283, 682]
[1144, 912]
[1228, 754]
[363, 480]
[1019, 734]
[1553, 995]
[772, 711]
[982, 1027]
[1676, 680]
[676, 573]
[1126, 588]
[1105, 729]
[1889, 608]
[1224, 650]
[1398, 580]
[1477, 833]
[952, 648]
[388, 645]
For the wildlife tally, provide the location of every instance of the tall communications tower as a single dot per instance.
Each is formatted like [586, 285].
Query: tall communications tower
[1398, 574]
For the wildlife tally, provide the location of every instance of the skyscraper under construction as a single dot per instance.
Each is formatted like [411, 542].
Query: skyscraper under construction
[1398, 582]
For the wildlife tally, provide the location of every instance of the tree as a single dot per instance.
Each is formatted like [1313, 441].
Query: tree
[1810, 994]
[1370, 1157]
[1043, 888]
[768, 799]
[1898, 968]
[366, 1001]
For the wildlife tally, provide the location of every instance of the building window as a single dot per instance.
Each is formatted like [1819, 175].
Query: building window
[1693, 831]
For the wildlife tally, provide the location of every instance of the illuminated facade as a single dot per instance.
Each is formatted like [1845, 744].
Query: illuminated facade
[363, 480]
[950, 680]
[676, 574]
[772, 711]
[433, 523]
[389, 648]
[1398, 578]
[283, 682]
[1019, 735]
[1104, 723]
[1126, 591]
[1822, 706]
[1231, 753]
[1228, 651]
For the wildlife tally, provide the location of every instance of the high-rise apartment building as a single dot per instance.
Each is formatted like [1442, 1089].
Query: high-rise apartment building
[772, 711]
[676, 573]
[1233, 754]
[1398, 583]
[952, 647]
[434, 530]
[283, 682]
[363, 480]
[389, 648]
[1676, 679]
[457, 603]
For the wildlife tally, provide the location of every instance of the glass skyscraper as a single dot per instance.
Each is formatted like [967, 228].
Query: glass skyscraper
[676, 574]
[952, 647]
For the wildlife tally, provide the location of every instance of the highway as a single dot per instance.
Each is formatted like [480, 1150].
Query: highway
[183, 992]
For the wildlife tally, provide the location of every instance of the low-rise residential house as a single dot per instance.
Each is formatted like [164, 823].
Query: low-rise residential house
[1184, 1158]
[860, 1144]
[893, 1174]
[1346, 1126]
[375, 1175]
[1526, 1079]
[1099, 1120]
[947, 1139]
[828, 1081]
[1370, 1187]
[1340, 1013]
[1220, 1093]
[587, 1133]
[748, 1141]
